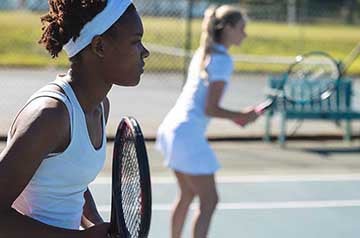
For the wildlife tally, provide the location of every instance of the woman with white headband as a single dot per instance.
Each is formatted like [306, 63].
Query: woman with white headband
[181, 135]
[56, 144]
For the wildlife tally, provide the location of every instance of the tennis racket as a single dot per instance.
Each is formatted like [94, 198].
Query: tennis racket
[131, 185]
[313, 77]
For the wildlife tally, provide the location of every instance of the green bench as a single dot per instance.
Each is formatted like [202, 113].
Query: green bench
[338, 107]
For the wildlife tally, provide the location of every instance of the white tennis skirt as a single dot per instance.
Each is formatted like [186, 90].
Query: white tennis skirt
[186, 149]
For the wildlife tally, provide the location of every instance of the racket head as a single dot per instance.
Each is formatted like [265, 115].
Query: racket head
[313, 77]
[131, 184]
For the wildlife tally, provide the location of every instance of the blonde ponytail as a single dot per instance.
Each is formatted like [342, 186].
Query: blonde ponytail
[215, 20]
[207, 38]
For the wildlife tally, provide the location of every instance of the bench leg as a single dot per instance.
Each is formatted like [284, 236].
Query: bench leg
[267, 134]
[282, 135]
[347, 132]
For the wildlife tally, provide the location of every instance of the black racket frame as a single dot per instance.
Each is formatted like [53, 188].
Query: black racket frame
[117, 223]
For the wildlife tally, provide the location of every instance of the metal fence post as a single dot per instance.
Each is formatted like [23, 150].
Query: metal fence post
[188, 38]
[291, 12]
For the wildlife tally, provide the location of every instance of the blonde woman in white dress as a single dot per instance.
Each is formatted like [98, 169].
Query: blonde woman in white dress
[181, 136]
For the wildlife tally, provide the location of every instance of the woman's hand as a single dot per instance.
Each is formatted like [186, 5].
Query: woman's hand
[250, 115]
[97, 231]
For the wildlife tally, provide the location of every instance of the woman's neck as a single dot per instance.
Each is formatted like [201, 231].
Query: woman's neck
[89, 87]
[225, 43]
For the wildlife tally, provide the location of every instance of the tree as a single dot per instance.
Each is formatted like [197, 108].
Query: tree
[22, 4]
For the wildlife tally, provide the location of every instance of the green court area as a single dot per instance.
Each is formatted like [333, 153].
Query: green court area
[21, 30]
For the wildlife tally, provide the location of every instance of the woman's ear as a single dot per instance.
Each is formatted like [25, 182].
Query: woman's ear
[97, 46]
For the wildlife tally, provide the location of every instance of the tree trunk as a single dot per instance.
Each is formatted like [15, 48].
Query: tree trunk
[22, 4]
[350, 6]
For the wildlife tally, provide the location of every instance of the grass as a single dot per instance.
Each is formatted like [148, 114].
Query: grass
[21, 30]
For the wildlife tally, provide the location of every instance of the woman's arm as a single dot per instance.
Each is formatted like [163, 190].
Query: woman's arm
[90, 215]
[106, 103]
[213, 108]
[41, 128]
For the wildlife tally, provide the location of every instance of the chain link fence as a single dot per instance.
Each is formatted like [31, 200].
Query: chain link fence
[278, 30]
[33, 5]
[302, 11]
[172, 31]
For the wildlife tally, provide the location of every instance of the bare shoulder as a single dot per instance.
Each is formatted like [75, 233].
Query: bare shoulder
[38, 130]
[45, 113]
[217, 86]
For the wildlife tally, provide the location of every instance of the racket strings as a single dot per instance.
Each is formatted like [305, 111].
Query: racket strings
[131, 187]
[311, 79]
[130, 183]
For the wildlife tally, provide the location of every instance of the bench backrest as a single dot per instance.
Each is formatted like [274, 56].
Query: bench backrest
[339, 101]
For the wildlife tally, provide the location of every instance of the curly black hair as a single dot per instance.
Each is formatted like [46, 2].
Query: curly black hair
[65, 20]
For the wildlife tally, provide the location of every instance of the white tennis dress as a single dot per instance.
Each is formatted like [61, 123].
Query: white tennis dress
[181, 136]
[55, 194]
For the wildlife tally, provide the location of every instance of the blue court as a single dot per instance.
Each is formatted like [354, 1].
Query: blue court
[310, 206]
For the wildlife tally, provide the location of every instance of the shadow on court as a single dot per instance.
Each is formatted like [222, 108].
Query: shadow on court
[329, 151]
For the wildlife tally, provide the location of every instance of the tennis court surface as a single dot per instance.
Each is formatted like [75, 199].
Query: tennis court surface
[321, 198]
[310, 190]
[309, 206]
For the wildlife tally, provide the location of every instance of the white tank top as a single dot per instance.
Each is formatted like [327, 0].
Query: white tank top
[55, 194]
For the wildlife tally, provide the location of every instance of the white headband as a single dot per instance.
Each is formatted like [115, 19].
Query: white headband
[98, 25]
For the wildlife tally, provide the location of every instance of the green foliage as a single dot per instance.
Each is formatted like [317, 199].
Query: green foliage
[20, 32]
[223, 1]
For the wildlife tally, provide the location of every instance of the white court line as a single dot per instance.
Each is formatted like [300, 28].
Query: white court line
[260, 205]
[257, 179]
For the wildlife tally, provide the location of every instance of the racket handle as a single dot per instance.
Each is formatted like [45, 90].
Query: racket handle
[262, 107]
[259, 110]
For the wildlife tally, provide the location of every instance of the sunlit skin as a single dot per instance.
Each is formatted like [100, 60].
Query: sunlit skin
[111, 59]
[233, 35]
[125, 55]
[116, 58]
